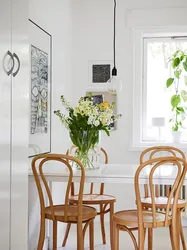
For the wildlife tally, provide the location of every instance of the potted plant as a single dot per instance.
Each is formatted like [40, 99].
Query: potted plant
[179, 66]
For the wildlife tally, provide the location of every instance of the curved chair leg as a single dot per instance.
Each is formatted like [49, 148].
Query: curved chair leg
[175, 229]
[42, 234]
[54, 235]
[111, 223]
[171, 237]
[102, 225]
[150, 238]
[182, 237]
[91, 233]
[80, 238]
[126, 229]
[144, 234]
[66, 234]
[115, 242]
[141, 238]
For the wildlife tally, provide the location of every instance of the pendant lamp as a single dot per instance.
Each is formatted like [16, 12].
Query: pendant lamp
[114, 84]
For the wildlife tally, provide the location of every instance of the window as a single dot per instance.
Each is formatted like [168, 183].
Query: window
[156, 97]
[151, 68]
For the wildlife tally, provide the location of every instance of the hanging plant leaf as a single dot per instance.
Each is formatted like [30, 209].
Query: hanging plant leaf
[169, 82]
[185, 80]
[175, 100]
[185, 65]
[176, 52]
[177, 73]
[184, 95]
[175, 62]
[175, 128]
[180, 109]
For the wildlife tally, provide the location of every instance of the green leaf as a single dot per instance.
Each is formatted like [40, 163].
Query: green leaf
[175, 100]
[181, 109]
[185, 80]
[175, 128]
[177, 73]
[175, 62]
[176, 52]
[185, 65]
[169, 82]
[184, 95]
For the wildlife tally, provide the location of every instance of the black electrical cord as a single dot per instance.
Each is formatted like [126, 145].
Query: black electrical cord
[114, 42]
[114, 70]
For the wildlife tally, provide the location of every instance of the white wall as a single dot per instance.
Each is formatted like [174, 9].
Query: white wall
[55, 17]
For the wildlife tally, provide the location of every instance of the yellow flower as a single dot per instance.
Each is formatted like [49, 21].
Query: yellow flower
[104, 105]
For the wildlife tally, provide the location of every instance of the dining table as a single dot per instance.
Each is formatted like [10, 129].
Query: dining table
[111, 173]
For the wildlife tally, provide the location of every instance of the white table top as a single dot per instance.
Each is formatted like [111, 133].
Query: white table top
[112, 173]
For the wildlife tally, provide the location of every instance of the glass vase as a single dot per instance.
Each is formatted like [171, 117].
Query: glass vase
[87, 149]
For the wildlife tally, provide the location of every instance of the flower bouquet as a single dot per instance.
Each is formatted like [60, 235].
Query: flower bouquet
[84, 123]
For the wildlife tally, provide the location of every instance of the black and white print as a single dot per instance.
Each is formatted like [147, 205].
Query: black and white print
[39, 91]
[97, 99]
[100, 73]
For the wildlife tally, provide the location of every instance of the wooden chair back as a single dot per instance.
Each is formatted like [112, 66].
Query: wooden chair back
[175, 162]
[152, 152]
[43, 187]
[73, 149]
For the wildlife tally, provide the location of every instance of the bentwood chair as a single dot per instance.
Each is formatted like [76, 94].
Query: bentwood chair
[141, 218]
[76, 214]
[162, 197]
[92, 198]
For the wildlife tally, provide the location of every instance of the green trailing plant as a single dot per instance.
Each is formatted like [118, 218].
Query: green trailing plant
[179, 66]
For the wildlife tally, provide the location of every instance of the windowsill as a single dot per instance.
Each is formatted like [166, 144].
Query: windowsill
[144, 145]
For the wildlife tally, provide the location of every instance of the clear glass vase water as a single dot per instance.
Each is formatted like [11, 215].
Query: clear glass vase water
[88, 151]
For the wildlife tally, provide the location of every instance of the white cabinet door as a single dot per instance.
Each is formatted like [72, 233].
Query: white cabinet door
[20, 133]
[5, 121]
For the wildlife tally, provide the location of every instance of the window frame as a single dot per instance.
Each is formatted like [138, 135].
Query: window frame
[139, 74]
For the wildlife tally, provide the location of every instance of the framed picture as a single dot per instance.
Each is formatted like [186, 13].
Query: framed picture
[40, 89]
[97, 99]
[99, 73]
[101, 96]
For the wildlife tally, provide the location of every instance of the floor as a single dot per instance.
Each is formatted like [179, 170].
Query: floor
[161, 240]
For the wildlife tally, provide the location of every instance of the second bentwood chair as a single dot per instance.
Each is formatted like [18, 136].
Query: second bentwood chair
[101, 199]
[162, 197]
[77, 214]
[141, 218]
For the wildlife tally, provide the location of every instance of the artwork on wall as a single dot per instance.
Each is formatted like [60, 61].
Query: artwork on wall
[40, 90]
[101, 96]
[99, 73]
[97, 99]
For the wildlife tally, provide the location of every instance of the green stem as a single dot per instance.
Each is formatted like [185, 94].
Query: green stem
[84, 158]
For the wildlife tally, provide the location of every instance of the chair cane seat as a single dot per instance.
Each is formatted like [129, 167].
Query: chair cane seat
[129, 218]
[87, 213]
[94, 199]
[161, 202]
